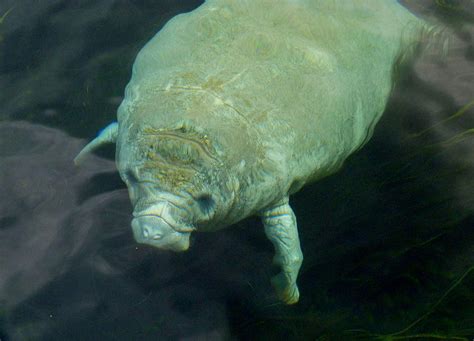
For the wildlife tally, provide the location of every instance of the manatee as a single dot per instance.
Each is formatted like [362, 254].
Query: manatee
[233, 107]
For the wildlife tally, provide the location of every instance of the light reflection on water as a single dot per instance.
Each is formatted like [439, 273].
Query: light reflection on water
[390, 233]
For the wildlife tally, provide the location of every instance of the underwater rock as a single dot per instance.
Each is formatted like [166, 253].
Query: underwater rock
[237, 105]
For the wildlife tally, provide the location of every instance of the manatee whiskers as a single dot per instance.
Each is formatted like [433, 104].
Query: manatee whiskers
[168, 214]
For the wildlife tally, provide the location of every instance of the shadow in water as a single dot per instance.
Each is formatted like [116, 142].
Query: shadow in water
[70, 268]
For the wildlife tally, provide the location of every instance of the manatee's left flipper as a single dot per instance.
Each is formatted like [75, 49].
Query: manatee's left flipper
[280, 227]
[107, 135]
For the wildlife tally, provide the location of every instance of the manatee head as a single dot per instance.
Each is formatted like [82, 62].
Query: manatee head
[174, 179]
[157, 227]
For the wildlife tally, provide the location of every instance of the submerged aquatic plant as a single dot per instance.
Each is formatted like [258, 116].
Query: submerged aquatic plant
[2, 20]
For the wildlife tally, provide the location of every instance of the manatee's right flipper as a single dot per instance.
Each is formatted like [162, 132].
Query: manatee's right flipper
[107, 135]
[280, 227]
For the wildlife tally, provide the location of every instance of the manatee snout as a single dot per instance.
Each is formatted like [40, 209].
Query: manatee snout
[155, 231]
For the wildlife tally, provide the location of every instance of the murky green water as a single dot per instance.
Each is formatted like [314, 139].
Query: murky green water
[388, 241]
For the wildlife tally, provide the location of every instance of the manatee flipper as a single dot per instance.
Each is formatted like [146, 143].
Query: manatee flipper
[280, 227]
[107, 135]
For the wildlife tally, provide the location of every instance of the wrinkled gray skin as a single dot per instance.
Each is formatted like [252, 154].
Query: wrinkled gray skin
[237, 105]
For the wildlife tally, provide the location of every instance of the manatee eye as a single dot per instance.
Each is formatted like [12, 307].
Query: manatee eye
[130, 177]
[206, 203]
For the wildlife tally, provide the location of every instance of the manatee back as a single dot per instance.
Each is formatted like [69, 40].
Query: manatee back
[308, 79]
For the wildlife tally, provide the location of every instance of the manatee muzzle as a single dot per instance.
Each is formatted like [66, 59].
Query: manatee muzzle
[155, 231]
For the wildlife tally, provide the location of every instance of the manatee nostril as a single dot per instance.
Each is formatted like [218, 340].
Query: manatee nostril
[146, 231]
[149, 233]
[157, 236]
